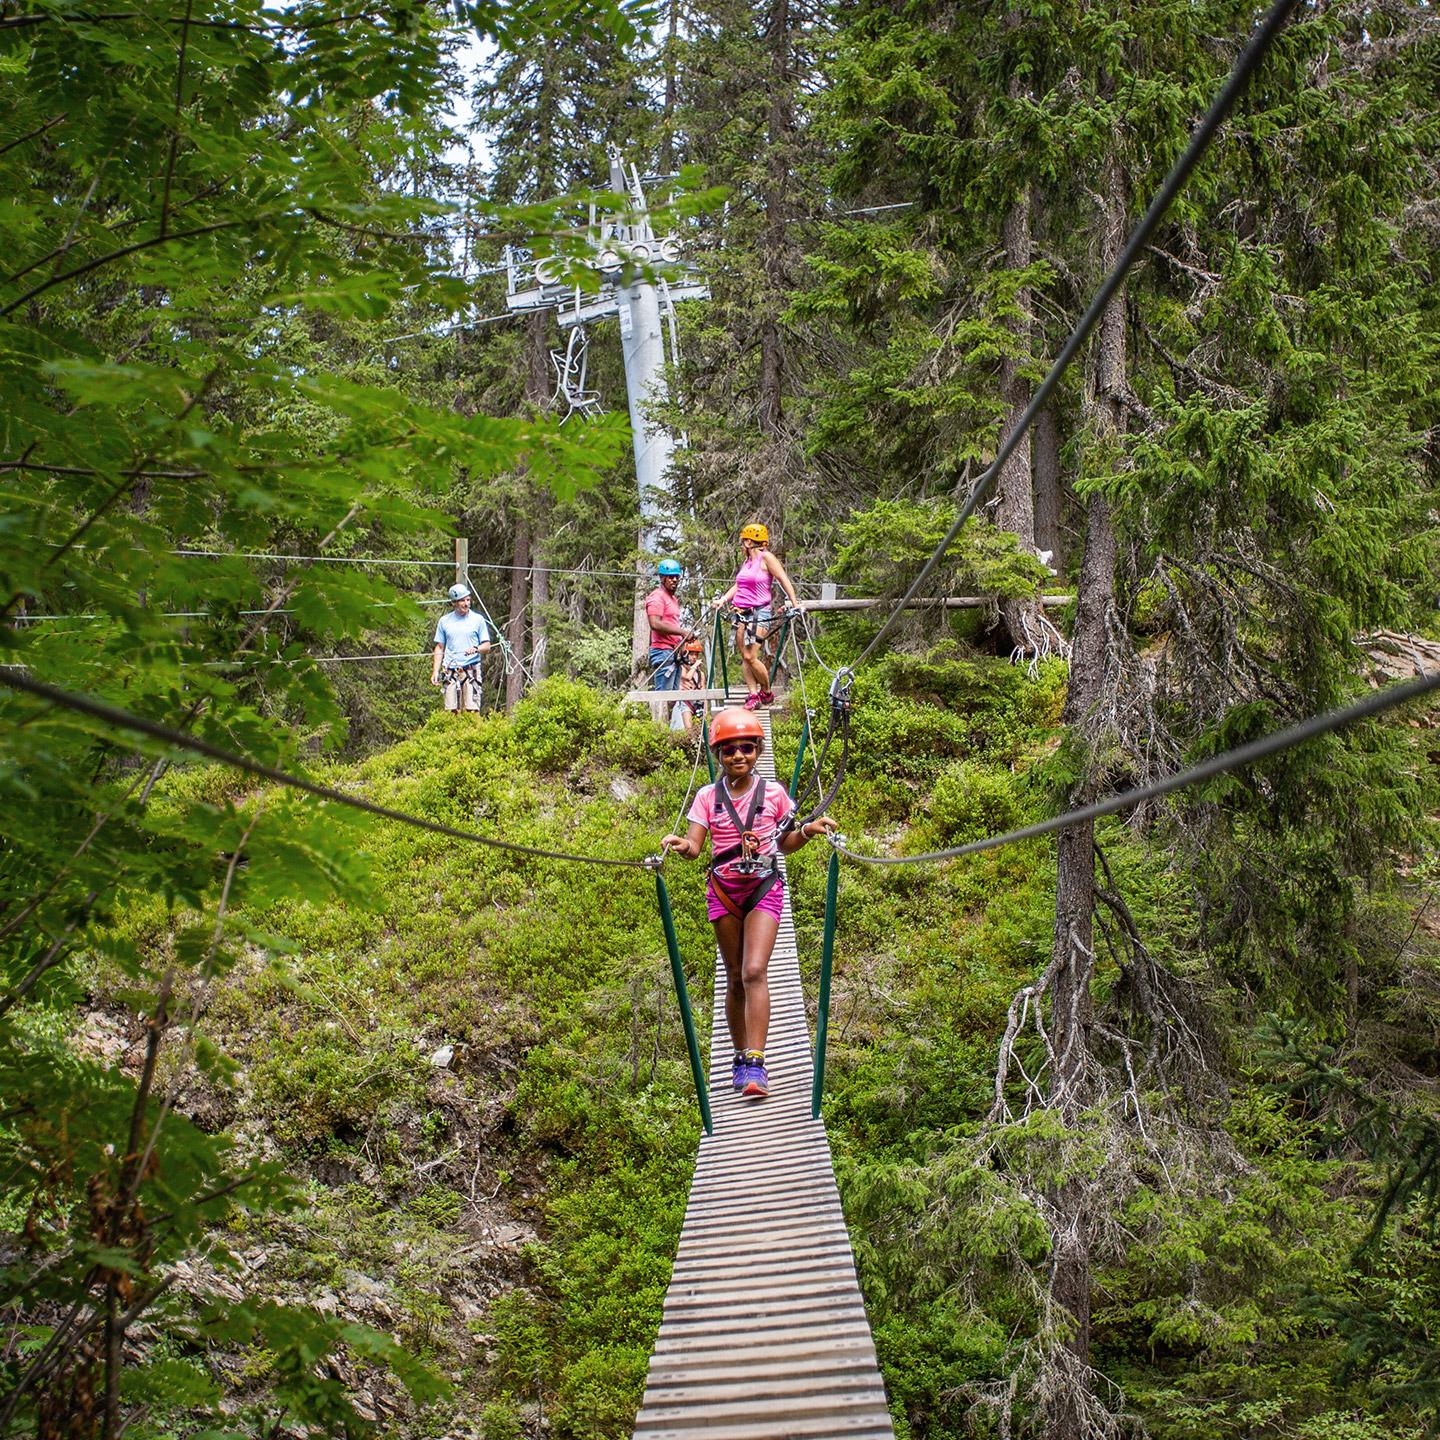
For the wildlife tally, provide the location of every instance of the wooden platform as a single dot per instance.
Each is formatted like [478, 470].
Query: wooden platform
[764, 1334]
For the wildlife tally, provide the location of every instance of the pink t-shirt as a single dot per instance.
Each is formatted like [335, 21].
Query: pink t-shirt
[710, 813]
[660, 604]
[752, 584]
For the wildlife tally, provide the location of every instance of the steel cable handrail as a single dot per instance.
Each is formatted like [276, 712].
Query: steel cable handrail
[125, 720]
[1200, 140]
[1241, 755]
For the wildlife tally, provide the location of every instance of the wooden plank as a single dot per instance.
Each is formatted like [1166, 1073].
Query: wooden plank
[763, 1334]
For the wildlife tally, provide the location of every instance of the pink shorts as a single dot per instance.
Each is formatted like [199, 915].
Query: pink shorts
[739, 891]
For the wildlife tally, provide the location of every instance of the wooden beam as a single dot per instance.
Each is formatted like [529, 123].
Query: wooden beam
[947, 602]
[646, 697]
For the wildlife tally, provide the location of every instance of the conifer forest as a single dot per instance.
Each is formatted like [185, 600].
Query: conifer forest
[326, 1121]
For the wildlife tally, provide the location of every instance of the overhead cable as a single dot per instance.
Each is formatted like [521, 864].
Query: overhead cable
[91, 615]
[380, 560]
[125, 720]
[1242, 755]
[1200, 140]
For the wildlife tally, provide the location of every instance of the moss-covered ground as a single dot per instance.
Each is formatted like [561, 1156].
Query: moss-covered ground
[481, 1078]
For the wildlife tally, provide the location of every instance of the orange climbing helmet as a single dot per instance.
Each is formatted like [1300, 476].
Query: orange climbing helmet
[756, 532]
[733, 723]
[694, 647]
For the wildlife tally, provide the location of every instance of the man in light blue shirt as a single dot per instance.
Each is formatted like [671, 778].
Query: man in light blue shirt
[460, 640]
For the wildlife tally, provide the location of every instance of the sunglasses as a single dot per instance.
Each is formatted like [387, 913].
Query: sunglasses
[738, 747]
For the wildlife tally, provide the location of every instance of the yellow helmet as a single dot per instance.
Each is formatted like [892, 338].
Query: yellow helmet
[758, 533]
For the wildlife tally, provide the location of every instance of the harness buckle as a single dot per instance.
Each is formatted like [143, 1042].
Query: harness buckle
[751, 866]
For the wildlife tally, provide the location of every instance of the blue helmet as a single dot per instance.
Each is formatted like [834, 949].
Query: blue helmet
[668, 567]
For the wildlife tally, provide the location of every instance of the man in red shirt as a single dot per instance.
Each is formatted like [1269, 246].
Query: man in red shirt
[662, 609]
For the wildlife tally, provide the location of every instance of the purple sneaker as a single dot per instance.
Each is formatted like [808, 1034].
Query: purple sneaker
[757, 1083]
[739, 1074]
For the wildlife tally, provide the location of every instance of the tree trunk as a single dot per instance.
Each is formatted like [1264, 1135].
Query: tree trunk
[1074, 948]
[1015, 508]
[1072, 1008]
[539, 596]
[776, 238]
[515, 621]
[670, 59]
[1045, 459]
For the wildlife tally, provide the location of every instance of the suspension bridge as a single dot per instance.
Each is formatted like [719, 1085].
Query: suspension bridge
[764, 1333]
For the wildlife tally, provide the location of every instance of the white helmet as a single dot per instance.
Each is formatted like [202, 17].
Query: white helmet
[458, 591]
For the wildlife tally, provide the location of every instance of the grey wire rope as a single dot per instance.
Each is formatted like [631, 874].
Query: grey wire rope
[805, 701]
[700, 738]
[690, 787]
[810, 642]
[124, 720]
[1242, 755]
[507, 653]
[20, 619]
[380, 560]
[1200, 140]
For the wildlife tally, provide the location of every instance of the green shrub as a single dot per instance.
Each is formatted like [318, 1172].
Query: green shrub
[600, 1393]
[971, 801]
[318, 1082]
[562, 722]
[601, 657]
[498, 1421]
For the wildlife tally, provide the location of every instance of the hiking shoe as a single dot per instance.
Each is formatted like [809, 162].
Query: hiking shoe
[740, 1074]
[757, 1082]
[751, 701]
[767, 697]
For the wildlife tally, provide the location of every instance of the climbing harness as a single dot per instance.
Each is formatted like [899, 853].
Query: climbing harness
[466, 678]
[744, 860]
[756, 626]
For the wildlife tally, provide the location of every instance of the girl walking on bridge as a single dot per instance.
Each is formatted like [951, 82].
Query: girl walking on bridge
[753, 597]
[750, 821]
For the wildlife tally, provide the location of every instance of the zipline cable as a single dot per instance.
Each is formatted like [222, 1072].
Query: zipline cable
[1200, 140]
[125, 720]
[1242, 755]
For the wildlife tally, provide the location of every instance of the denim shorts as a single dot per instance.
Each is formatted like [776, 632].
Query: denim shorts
[754, 619]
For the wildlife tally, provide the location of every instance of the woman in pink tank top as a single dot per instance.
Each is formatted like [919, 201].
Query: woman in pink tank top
[752, 596]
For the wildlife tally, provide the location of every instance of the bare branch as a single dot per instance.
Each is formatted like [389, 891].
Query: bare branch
[35, 134]
[101, 260]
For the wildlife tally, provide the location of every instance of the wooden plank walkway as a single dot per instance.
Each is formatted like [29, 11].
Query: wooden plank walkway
[764, 1334]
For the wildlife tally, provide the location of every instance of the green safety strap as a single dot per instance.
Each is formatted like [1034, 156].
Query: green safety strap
[779, 652]
[799, 758]
[827, 955]
[687, 1017]
[720, 649]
